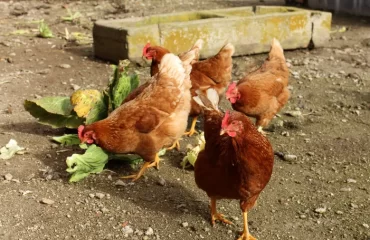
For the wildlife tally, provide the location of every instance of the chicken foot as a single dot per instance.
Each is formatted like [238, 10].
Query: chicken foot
[246, 235]
[144, 168]
[192, 128]
[260, 130]
[215, 215]
[176, 145]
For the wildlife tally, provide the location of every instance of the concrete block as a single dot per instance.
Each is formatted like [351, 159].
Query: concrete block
[250, 29]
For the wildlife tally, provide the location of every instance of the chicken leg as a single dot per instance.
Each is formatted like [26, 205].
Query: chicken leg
[260, 130]
[192, 128]
[215, 215]
[143, 169]
[246, 235]
[176, 145]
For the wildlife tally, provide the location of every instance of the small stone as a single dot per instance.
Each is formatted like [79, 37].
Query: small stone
[8, 177]
[65, 66]
[127, 230]
[285, 134]
[235, 218]
[354, 205]
[7, 163]
[206, 229]
[75, 87]
[104, 210]
[311, 154]
[302, 216]
[71, 58]
[339, 212]
[12, 54]
[149, 231]
[92, 195]
[161, 182]
[344, 120]
[290, 157]
[120, 183]
[350, 180]
[185, 224]
[320, 210]
[346, 189]
[365, 225]
[47, 201]
[99, 195]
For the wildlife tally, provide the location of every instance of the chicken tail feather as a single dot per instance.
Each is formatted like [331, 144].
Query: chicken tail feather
[228, 49]
[208, 101]
[172, 66]
[277, 50]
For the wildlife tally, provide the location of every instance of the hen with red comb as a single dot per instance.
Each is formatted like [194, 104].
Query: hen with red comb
[236, 162]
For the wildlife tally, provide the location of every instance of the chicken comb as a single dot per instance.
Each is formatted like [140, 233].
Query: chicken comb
[225, 120]
[80, 130]
[231, 87]
[145, 48]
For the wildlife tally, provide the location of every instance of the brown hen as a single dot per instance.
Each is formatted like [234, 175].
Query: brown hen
[237, 160]
[262, 93]
[214, 72]
[155, 118]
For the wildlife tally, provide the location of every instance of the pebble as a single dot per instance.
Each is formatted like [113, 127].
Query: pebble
[346, 189]
[350, 180]
[161, 182]
[120, 183]
[302, 216]
[290, 157]
[339, 212]
[47, 201]
[310, 153]
[320, 210]
[65, 66]
[8, 176]
[365, 225]
[104, 210]
[285, 134]
[92, 195]
[127, 230]
[75, 87]
[185, 224]
[99, 195]
[149, 232]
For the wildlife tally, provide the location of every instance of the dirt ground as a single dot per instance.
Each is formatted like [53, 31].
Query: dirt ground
[323, 193]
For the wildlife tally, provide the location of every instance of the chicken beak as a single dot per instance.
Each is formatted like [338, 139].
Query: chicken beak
[222, 132]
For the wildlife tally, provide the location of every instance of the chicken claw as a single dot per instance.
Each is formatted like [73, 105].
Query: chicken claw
[143, 169]
[176, 145]
[260, 130]
[215, 215]
[192, 128]
[246, 235]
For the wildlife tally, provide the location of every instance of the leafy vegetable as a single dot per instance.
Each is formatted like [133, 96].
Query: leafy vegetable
[121, 84]
[44, 30]
[10, 149]
[86, 107]
[68, 139]
[72, 17]
[192, 154]
[53, 111]
[94, 160]
[89, 104]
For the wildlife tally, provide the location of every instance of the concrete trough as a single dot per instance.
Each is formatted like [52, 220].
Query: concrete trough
[250, 29]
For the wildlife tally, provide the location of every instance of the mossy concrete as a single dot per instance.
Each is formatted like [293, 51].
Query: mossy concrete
[250, 29]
